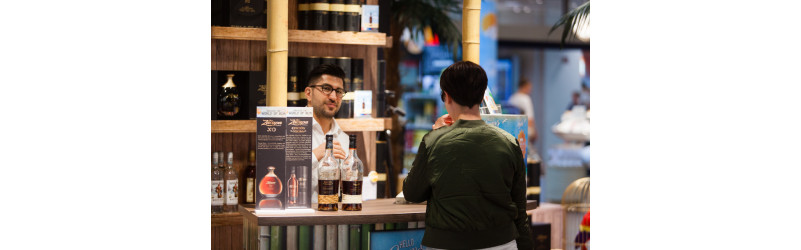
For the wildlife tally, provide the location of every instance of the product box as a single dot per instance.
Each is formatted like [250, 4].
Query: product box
[283, 158]
[298, 157]
[270, 157]
[369, 18]
[363, 104]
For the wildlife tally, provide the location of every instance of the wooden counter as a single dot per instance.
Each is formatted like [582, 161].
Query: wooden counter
[330, 230]
[373, 211]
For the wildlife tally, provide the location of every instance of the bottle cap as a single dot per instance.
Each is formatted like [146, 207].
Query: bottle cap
[352, 141]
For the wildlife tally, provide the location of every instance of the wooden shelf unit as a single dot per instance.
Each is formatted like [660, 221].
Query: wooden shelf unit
[347, 125]
[304, 36]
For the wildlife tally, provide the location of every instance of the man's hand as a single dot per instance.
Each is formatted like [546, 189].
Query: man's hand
[444, 120]
[319, 151]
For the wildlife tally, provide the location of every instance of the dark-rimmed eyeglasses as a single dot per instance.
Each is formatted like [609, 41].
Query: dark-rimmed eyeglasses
[327, 89]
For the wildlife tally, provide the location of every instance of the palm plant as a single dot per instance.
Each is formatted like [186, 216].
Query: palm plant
[572, 20]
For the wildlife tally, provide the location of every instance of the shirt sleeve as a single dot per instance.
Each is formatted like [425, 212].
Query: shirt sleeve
[416, 186]
[522, 221]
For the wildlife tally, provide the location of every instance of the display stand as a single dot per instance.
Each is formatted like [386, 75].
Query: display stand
[381, 214]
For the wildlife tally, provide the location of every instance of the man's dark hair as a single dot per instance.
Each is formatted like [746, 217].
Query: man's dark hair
[328, 69]
[465, 82]
[523, 82]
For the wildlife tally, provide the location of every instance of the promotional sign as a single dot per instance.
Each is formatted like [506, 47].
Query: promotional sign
[516, 125]
[283, 158]
[363, 104]
[397, 239]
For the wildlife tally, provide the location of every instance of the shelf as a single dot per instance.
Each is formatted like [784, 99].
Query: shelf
[225, 219]
[421, 96]
[348, 125]
[412, 126]
[304, 36]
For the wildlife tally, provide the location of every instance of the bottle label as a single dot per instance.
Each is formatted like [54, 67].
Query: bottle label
[232, 193]
[249, 190]
[217, 196]
[351, 199]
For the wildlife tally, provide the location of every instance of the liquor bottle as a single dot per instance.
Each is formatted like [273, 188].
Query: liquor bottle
[328, 178]
[270, 185]
[217, 186]
[352, 172]
[292, 185]
[228, 101]
[231, 186]
[250, 179]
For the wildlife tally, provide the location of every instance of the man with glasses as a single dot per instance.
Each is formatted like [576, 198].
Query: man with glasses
[324, 94]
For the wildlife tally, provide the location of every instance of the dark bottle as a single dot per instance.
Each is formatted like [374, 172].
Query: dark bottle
[292, 185]
[352, 174]
[328, 180]
[250, 179]
[228, 101]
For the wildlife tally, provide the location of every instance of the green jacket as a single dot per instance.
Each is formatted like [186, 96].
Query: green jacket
[472, 176]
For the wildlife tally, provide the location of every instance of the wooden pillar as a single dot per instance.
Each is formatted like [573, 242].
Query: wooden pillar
[471, 28]
[277, 51]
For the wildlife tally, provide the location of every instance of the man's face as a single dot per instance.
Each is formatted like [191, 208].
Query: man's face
[325, 105]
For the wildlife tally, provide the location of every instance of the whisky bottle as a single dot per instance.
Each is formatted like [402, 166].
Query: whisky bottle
[270, 185]
[328, 178]
[292, 185]
[217, 186]
[231, 185]
[352, 172]
[250, 179]
[228, 101]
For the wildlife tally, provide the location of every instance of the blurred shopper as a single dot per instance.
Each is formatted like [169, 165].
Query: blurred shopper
[522, 101]
[584, 97]
[575, 100]
[470, 173]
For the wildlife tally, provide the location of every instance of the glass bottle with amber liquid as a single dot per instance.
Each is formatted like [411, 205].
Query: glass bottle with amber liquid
[228, 101]
[217, 185]
[292, 185]
[352, 171]
[231, 185]
[270, 186]
[250, 179]
[328, 180]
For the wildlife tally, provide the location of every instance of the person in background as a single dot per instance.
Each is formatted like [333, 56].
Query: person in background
[470, 173]
[522, 101]
[575, 100]
[584, 97]
[324, 94]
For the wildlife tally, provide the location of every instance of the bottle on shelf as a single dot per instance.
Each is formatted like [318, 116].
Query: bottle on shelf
[328, 178]
[250, 179]
[231, 185]
[228, 101]
[217, 186]
[352, 174]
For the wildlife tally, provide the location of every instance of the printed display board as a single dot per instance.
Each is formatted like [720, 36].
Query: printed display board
[283, 157]
[397, 239]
